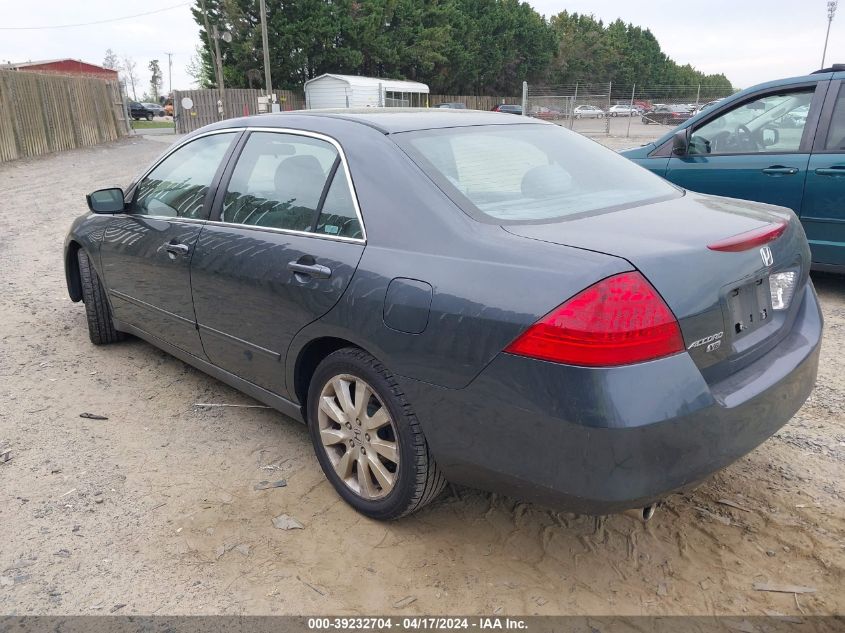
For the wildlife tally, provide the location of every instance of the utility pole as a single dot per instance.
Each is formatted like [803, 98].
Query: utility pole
[268, 80]
[220, 87]
[831, 11]
[169, 73]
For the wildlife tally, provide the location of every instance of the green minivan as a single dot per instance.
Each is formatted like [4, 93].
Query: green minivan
[782, 142]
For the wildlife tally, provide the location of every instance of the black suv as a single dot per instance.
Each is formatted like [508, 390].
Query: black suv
[139, 111]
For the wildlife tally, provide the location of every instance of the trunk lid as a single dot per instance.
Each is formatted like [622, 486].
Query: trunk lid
[721, 299]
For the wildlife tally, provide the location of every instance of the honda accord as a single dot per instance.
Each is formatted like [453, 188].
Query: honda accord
[446, 295]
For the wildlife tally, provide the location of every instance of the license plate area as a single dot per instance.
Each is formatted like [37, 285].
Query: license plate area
[749, 307]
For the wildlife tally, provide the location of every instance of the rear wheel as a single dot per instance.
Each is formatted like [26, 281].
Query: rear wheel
[97, 309]
[367, 438]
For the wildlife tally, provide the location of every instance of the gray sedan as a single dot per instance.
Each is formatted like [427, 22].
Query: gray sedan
[465, 296]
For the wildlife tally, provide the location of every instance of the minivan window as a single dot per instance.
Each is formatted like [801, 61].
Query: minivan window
[178, 185]
[531, 172]
[278, 181]
[773, 123]
[836, 133]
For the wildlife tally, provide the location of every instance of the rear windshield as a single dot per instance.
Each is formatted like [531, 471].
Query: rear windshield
[523, 173]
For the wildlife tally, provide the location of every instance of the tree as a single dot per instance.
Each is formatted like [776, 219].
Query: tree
[130, 75]
[200, 70]
[111, 60]
[455, 46]
[155, 79]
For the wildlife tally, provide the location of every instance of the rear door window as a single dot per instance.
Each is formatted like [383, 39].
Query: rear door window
[291, 182]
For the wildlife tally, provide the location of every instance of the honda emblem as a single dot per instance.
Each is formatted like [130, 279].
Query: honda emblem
[766, 254]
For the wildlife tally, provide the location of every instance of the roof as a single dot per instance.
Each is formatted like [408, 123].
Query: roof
[48, 62]
[387, 120]
[394, 85]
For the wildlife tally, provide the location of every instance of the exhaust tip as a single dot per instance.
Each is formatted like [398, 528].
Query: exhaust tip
[644, 514]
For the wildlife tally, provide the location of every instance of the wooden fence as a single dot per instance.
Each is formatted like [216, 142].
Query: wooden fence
[42, 113]
[236, 102]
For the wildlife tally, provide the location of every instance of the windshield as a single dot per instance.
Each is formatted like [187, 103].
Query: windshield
[524, 173]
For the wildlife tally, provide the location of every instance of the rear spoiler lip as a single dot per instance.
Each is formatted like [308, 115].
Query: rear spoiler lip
[750, 239]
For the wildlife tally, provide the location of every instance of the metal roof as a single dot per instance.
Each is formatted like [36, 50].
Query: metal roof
[394, 85]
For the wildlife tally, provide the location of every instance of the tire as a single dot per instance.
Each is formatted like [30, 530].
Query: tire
[149, 117]
[413, 480]
[97, 309]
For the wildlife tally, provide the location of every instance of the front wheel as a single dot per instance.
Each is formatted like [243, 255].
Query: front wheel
[149, 117]
[367, 437]
[101, 329]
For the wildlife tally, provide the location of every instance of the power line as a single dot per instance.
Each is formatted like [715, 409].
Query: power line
[69, 26]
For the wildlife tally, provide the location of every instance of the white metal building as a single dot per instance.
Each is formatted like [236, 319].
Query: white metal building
[351, 91]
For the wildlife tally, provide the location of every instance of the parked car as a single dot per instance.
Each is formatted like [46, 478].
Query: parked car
[543, 318]
[547, 114]
[667, 115]
[508, 108]
[139, 111]
[453, 105]
[155, 108]
[622, 110]
[782, 142]
[709, 104]
[588, 112]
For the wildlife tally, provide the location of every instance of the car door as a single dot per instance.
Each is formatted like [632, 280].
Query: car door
[284, 240]
[755, 149]
[146, 251]
[823, 209]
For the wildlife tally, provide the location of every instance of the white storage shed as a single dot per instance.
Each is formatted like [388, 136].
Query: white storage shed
[351, 91]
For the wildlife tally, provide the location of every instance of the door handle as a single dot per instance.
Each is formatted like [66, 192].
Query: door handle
[836, 170]
[311, 270]
[177, 249]
[780, 170]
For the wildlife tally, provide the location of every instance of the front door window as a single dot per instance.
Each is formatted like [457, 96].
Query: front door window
[177, 187]
[771, 124]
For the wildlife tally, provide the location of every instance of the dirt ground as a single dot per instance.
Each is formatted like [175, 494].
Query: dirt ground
[153, 511]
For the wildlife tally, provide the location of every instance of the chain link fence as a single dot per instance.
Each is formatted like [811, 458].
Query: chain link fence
[617, 110]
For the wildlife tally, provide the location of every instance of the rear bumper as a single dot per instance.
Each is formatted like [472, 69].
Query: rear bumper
[601, 440]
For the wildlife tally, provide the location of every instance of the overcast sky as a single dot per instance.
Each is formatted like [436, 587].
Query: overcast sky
[749, 40]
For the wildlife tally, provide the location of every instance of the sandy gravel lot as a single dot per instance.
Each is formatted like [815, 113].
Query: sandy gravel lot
[154, 509]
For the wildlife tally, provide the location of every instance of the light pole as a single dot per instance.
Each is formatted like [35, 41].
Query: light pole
[831, 11]
[169, 73]
[268, 81]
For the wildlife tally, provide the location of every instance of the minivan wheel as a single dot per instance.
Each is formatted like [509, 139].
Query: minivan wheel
[97, 309]
[367, 437]
[149, 117]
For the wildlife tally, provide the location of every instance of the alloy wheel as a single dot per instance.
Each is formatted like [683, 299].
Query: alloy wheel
[359, 436]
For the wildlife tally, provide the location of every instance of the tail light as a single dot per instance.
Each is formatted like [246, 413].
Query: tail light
[617, 321]
[750, 239]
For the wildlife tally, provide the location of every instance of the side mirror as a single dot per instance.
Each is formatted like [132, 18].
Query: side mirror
[770, 136]
[680, 143]
[106, 200]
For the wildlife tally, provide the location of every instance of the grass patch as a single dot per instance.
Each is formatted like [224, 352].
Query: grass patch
[146, 125]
